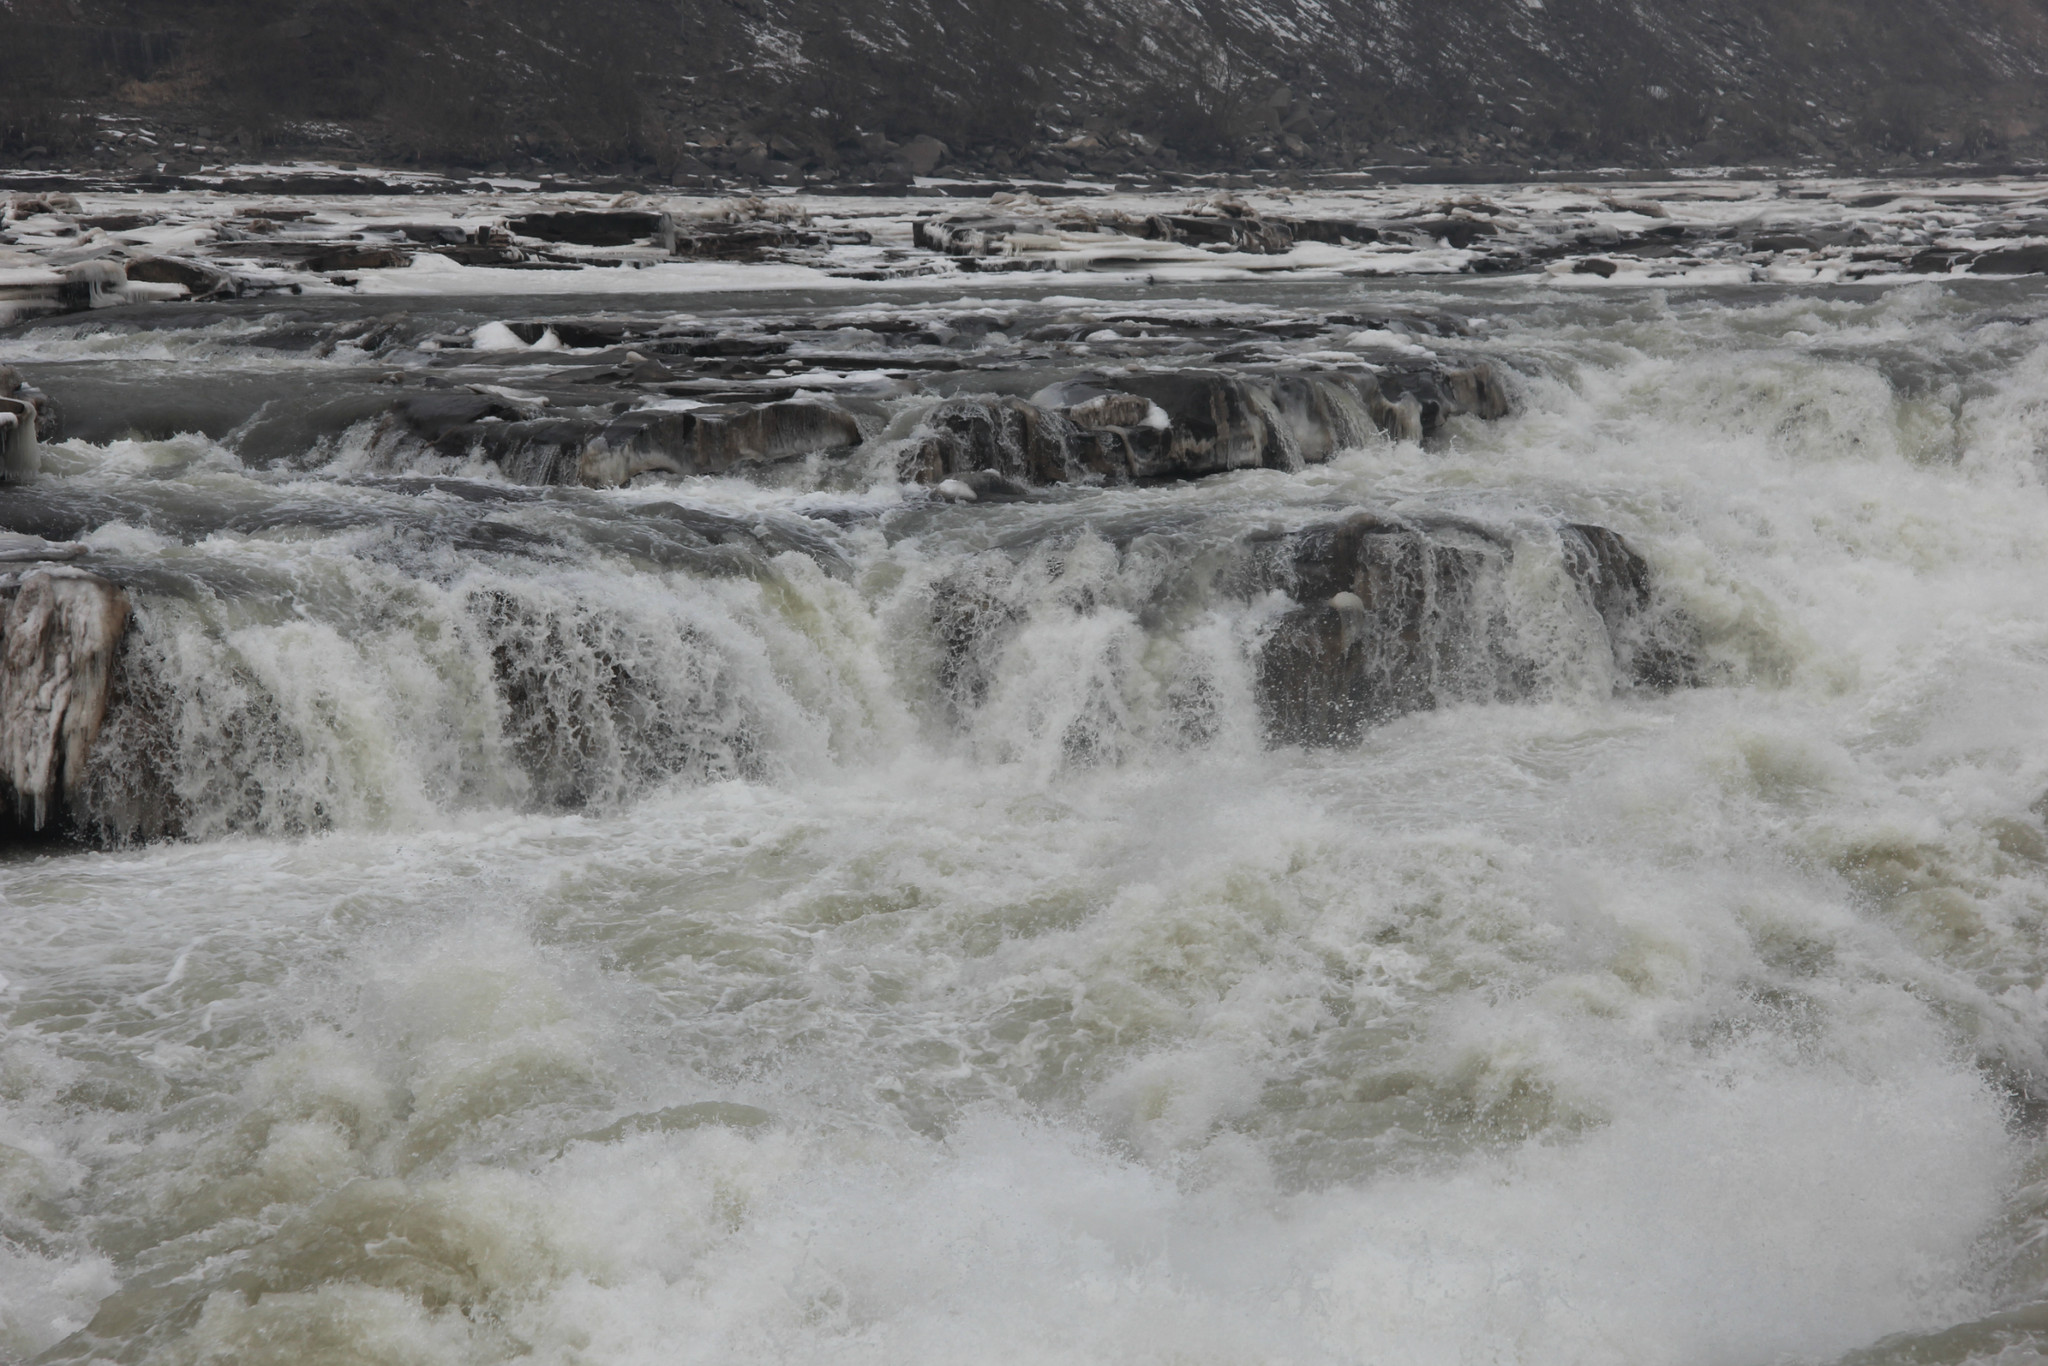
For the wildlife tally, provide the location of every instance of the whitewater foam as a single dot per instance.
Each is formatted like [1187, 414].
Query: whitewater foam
[780, 973]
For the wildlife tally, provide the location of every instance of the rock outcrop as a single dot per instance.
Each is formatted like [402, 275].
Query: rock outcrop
[1396, 616]
[1377, 616]
[60, 635]
[1183, 424]
[607, 451]
[1015, 225]
[1099, 429]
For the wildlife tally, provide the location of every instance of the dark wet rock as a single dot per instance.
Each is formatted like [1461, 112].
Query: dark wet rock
[1237, 232]
[435, 417]
[473, 254]
[547, 450]
[1650, 650]
[1397, 616]
[1216, 421]
[483, 246]
[357, 258]
[1595, 265]
[747, 241]
[2012, 261]
[1008, 438]
[1334, 231]
[531, 447]
[580, 333]
[60, 635]
[1939, 260]
[591, 228]
[1477, 391]
[1435, 394]
[714, 439]
[982, 486]
[1377, 615]
[1185, 424]
[1392, 619]
[1456, 232]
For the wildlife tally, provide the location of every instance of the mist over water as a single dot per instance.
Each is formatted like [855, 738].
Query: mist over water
[792, 964]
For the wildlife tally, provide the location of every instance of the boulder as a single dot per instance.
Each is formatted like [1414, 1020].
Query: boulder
[1008, 438]
[738, 241]
[713, 439]
[1649, 651]
[481, 254]
[1388, 621]
[542, 451]
[1438, 393]
[1459, 233]
[923, 154]
[593, 228]
[2012, 261]
[354, 257]
[436, 417]
[1380, 615]
[1939, 260]
[60, 634]
[1236, 231]
[1394, 615]
[1216, 422]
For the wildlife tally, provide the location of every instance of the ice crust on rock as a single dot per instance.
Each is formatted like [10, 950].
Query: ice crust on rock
[434, 241]
[60, 632]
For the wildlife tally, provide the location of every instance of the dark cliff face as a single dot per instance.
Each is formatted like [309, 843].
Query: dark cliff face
[778, 87]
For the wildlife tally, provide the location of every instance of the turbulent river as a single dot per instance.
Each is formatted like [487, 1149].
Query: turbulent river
[798, 918]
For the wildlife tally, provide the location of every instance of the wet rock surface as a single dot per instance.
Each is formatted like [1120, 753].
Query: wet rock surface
[61, 631]
[1025, 390]
[1352, 616]
[1369, 614]
[1394, 615]
[1148, 426]
[472, 447]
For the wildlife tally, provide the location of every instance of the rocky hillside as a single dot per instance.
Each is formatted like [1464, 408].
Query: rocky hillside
[880, 88]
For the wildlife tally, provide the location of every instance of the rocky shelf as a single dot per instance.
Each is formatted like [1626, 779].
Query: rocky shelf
[63, 251]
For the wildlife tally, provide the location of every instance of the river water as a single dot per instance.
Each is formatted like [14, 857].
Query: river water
[753, 982]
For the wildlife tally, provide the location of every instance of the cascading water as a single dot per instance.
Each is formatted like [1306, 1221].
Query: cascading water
[1571, 891]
